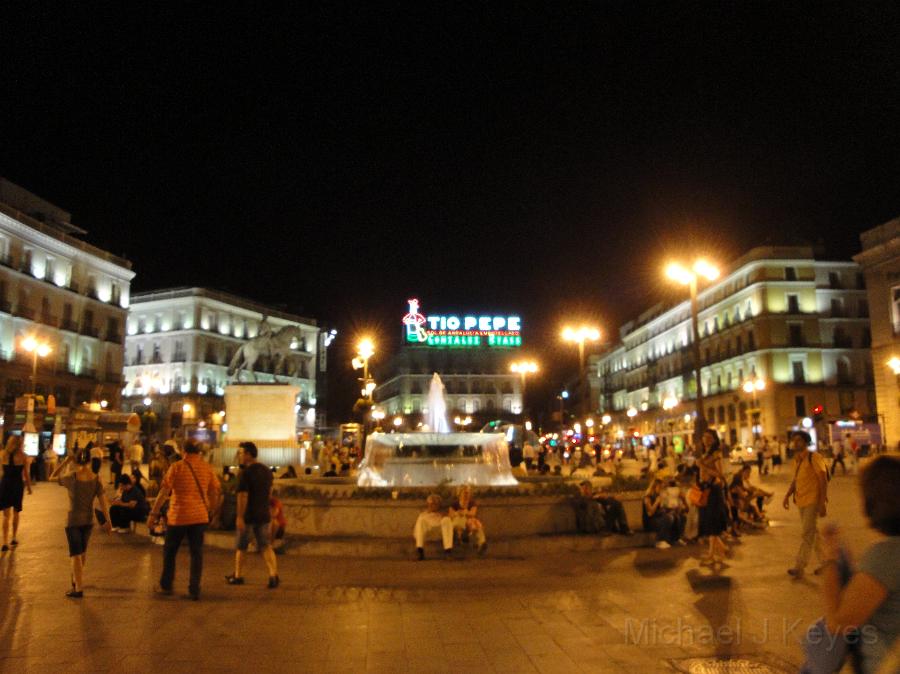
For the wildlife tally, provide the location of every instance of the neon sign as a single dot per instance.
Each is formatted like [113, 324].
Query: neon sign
[461, 331]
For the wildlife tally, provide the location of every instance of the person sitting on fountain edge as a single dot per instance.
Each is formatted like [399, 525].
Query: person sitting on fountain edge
[430, 522]
[596, 512]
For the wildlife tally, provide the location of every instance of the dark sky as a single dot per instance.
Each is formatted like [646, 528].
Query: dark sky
[340, 159]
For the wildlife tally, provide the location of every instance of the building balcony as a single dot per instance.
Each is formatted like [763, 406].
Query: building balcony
[114, 337]
[89, 331]
[49, 319]
[25, 312]
[843, 343]
[69, 324]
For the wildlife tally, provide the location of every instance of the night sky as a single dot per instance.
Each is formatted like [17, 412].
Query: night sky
[338, 159]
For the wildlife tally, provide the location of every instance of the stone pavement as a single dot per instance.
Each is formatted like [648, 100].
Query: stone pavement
[634, 610]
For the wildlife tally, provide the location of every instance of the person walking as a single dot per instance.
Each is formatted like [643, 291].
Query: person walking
[77, 476]
[809, 490]
[15, 481]
[253, 493]
[838, 459]
[714, 514]
[194, 489]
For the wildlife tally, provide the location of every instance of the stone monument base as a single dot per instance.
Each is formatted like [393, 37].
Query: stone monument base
[263, 414]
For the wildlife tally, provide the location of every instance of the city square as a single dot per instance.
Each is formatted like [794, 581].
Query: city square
[631, 609]
[438, 338]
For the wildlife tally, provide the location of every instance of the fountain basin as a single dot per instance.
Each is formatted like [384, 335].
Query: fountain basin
[423, 459]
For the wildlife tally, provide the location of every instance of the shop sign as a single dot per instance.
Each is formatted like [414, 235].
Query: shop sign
[450, 330]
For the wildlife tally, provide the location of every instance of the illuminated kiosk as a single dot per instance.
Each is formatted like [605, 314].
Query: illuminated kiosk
[435, 456]
[266, 415]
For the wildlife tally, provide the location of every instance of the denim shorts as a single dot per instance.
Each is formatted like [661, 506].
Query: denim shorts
[260, 533]
[78, 537]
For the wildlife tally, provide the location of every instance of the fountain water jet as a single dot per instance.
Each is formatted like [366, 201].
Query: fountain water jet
[428, 458]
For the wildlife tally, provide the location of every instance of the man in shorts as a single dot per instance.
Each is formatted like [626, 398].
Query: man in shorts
[253, 493]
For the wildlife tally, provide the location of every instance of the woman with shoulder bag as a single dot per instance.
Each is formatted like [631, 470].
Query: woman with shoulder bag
[712, 504]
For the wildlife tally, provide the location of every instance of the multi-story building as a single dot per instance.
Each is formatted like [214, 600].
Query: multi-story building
[61, 291]
[778, 317]
[880, 261]
[472, 355]
[179, 345]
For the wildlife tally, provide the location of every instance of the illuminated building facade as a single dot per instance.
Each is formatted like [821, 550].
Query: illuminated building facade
[880, 261]
[471, 353]
[778, 316]
[64, 292]
[179, 345]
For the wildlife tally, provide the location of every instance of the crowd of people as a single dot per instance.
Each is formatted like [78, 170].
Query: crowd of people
[694, 500]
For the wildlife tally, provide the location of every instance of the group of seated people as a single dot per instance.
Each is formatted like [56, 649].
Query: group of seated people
[129, 504]
[458, 523]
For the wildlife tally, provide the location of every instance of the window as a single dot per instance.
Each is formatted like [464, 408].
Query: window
[139, 355]
[844, 375]
[156, 356]
[798, 371]
[115, 293]
[834, 279]
[751, 341]
[860, 282]
[846, 402]
[862, 308]
[790, 273]
[48, 269]
[739, 342]
[841, 339]
[795, 334]
[800, 406]
[112, 329]
[793, 304]
[837, 308]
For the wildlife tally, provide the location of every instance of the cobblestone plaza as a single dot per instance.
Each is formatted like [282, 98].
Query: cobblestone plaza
[631, 610]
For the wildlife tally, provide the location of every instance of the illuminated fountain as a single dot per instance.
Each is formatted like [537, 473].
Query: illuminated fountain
[435, 455]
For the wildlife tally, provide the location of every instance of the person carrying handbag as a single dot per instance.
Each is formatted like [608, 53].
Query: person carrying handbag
[809, 490]
[194, 490]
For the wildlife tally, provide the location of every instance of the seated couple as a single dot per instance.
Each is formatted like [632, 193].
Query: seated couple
[596, 512]
[129, 505]
[461, 520]
[663, 511]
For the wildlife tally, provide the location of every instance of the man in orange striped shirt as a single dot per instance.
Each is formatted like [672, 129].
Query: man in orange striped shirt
[195, 493]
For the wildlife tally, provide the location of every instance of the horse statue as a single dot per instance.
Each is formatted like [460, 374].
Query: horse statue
[276, 346]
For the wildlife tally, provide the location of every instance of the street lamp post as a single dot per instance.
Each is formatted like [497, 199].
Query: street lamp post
[523, 368]
[751, 386]
[689, 277]
[37, 350]
[365, 350]
[580, 336]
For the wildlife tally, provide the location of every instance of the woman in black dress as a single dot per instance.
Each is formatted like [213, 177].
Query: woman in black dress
[13, 484]
[714, 515]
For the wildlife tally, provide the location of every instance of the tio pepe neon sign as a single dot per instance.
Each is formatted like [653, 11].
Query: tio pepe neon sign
[461, 331]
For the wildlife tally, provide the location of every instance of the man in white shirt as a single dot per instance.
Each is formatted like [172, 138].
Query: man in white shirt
[136, 458]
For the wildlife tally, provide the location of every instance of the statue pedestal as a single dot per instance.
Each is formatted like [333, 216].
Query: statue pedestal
[263, 414]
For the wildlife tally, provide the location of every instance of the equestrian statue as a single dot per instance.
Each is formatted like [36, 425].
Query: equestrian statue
[274, 345]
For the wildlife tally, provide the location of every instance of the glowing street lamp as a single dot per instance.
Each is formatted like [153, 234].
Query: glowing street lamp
[605, 419]
[689, 277]
[365, 349]
[894, 364]
[751, 387]
[579, 336]
[524, 368]
[631, 413]
[37, 350]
